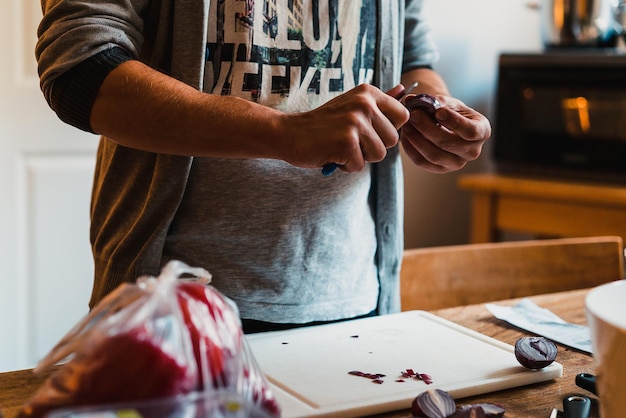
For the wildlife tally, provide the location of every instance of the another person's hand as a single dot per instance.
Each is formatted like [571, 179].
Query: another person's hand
[350, 130]
[450, 144]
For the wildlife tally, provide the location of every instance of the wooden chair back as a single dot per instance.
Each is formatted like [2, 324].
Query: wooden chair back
[441, 277]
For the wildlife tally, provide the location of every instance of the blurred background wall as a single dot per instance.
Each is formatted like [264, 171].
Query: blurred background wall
[470, 35]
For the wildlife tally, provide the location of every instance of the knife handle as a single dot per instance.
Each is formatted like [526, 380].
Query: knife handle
[576, 406]
[329, 168]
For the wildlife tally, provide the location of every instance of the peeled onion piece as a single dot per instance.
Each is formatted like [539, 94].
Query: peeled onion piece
[535, 352]
[433, 403]
[426, 102]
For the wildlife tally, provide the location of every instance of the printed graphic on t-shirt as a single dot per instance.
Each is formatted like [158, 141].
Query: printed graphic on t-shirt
[289, 54]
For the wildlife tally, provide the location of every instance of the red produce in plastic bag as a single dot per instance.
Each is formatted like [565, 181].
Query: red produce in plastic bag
[158, 338]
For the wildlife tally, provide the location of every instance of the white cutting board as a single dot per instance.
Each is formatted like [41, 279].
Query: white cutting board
[308, 367]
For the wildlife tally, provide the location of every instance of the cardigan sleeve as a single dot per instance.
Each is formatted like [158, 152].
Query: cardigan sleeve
[420, 49]
[78, 44]
[73, 93]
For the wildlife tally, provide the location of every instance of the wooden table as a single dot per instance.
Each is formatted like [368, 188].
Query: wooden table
[543, 207]
[535, 400]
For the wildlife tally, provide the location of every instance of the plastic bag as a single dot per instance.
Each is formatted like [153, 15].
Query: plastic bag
[158, 338]
[193, 405]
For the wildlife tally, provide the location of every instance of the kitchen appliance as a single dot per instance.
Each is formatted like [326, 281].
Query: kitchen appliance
[309, 368]
[588, 23]
[562, 112]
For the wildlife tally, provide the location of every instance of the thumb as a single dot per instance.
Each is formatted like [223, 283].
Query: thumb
[397, 91]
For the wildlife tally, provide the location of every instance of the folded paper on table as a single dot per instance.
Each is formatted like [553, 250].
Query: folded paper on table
[527, 315]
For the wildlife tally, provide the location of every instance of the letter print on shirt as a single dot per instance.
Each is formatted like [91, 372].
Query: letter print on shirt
[292, 55]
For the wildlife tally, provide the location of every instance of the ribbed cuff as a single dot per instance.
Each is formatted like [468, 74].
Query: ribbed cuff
[74, 92]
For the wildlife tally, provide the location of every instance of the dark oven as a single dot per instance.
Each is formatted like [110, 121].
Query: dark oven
[562, 113]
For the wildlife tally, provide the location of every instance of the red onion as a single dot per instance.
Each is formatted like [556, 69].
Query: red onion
[433, 403]
[535, 352]
[425, 102]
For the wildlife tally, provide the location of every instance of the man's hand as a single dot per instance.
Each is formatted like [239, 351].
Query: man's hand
[350, 130]
[450, 144]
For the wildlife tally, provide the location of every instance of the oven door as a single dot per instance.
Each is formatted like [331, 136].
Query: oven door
[562, 114]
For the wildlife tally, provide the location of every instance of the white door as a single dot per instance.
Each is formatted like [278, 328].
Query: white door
[46, 169]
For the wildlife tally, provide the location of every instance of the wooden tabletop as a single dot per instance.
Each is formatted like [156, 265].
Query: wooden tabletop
[535, 400]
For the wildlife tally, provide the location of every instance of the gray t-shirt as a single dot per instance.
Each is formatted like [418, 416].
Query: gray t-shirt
[286, 244]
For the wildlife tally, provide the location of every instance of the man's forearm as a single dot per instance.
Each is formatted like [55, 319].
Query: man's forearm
[141, 108]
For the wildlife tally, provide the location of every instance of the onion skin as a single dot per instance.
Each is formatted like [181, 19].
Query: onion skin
[535, 352]
[480, 410]
[469, 411]
[491, 410]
